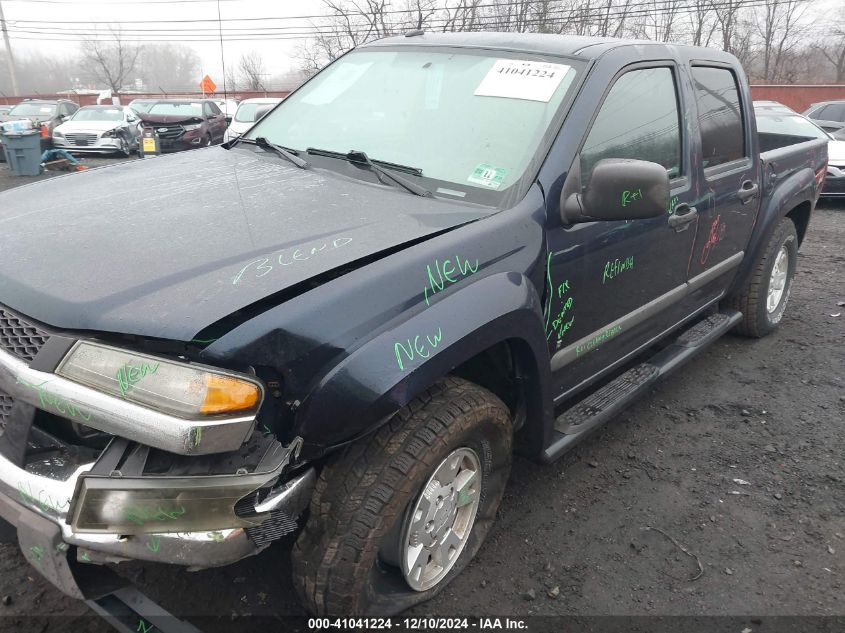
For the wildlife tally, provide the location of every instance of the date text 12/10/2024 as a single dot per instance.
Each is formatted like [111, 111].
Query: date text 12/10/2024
[418, 624]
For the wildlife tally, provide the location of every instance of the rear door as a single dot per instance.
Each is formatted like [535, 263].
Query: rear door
[728, 198]
[610, 283]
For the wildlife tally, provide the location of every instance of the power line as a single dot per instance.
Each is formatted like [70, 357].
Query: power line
[494, 5]
[282, 33]
[113, 3]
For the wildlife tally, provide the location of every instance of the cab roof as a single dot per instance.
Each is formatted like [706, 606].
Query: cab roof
[543, 43]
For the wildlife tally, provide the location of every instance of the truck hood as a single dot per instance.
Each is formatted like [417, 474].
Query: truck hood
[166, 246]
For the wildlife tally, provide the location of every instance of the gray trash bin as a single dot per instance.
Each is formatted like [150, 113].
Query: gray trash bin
[23, 152]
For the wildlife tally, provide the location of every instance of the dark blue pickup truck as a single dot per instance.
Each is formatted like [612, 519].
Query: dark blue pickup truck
[442, 249]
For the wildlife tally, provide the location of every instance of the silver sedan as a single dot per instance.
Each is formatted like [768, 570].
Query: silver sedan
[100, 129]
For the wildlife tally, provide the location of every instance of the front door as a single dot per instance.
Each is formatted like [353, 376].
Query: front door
[609, 282]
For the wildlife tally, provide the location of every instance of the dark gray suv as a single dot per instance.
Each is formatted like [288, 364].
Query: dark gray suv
[46, 114]
[828, 115]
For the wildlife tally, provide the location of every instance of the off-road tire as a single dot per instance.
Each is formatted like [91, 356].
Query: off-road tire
[757, 321]
[361, 497]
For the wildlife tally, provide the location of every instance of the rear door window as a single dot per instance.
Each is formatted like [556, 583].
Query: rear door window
[720, 117]
[831, 112]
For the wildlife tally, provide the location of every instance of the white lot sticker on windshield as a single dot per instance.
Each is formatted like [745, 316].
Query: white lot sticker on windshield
[488, 176]
[520, 79]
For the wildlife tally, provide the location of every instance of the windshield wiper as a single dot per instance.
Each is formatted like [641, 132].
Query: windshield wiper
[359, 157]
[284, 152]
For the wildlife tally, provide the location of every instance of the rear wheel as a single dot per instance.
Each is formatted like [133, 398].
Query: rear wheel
[763, 300]
[399, 514]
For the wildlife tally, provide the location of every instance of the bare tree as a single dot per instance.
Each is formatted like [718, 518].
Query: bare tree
[703, 23]
[729, 14]
[111, 61]
[777, 23]
[232, 83]
[170, 67]
[251, 71]
[834, 50]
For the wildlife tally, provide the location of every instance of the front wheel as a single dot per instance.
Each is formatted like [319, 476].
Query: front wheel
[763, 299]
[125, 150]
[399, 514]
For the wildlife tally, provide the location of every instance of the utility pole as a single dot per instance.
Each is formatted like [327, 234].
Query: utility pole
[10, 60]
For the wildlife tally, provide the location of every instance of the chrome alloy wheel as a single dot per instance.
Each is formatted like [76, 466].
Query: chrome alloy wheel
[778, 279]
[438, 527]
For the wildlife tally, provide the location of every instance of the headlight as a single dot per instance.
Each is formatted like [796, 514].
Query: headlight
[109, 134]
[176, 388]
[192, 126]
[58, 134]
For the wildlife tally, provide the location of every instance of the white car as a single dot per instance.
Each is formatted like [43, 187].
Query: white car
[227, 106]
[99, 129]
[777, 129]
[249, 111]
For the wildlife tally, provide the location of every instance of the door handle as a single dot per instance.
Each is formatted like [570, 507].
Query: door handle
[683, 215]
[748, 191]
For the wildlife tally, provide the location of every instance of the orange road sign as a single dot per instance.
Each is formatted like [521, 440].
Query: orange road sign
[207, 85]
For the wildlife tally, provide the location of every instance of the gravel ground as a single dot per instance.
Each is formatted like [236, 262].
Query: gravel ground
[572, 538]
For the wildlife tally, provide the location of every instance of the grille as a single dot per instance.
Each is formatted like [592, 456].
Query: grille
[273, 527]
[277, 525]
[20, 338]
[169, 131]
[81, 140]
[6, 403]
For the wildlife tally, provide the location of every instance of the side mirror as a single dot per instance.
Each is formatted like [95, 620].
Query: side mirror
[228, 119]
[619, 189]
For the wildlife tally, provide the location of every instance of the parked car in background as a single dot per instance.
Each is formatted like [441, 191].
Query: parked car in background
[142, 105]
[249, 111]
[4, 109]
[228, 107]
[45, 114]
[772, 106]
[185, 124]
[777, 129]
[828, 115]
[99, 129]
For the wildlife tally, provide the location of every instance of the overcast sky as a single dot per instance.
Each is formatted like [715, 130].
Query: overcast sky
[65, 14]
[198, 19]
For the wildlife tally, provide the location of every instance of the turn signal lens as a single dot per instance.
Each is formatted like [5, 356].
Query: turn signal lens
[224, 394]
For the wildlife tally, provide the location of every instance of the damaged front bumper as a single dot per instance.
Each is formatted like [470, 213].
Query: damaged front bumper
[42, 508]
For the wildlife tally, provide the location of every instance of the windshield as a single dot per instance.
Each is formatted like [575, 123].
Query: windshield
[97, 114]
[177, 109]
[34, 109]
[473, 119]
[141, 106]
[247, 111]
[787, 125]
